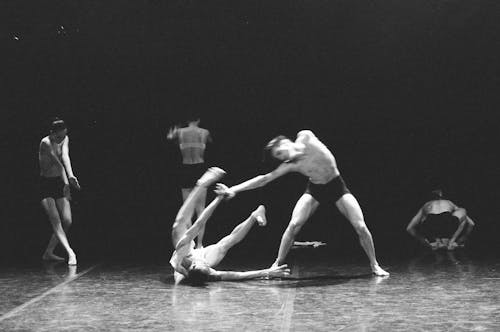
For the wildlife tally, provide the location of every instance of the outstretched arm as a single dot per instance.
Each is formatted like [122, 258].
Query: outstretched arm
[258, 181]
[412, 228]
[272, 272]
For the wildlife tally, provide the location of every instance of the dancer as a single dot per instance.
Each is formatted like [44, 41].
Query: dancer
[192, 143]
[309, 156]
[197, 265]
[440, 223]
[56, 174]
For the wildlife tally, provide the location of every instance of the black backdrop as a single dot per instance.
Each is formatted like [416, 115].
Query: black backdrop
[404, 93]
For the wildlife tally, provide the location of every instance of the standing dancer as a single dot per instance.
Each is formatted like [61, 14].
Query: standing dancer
[309, 156]
[196, 265]
[192, 143]
[56, 175]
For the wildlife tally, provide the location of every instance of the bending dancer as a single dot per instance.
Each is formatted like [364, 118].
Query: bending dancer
[192, 143]
[56, 175]
[442, 222]
[309, 156]
[197, 265]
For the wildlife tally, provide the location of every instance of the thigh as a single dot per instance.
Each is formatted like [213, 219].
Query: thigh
[64, 208]
[348, 205]
[304, 208]
[214, 254]
[50, 208]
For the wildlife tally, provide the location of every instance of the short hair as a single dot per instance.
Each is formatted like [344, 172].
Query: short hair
[197, 276]
[267, 156]
[436, 194]
[57, 125]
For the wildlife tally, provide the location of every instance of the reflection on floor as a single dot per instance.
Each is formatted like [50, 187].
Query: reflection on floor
[432, 292]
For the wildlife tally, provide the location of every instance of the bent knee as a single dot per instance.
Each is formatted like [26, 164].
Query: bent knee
[67, 221]
[360, 227]
[295, 225]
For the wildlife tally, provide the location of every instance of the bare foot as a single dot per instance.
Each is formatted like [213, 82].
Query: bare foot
[72, 260]
[260, 215]
[212, 175]
[377, 270]
[49, 256]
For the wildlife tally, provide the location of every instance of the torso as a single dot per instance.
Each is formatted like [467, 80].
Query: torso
[49, 167]
[317, 162]
[192, 143]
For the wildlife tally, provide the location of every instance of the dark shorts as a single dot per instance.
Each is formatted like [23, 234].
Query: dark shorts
[438, 226]
[189, 174]
[51, 187]
[328, 192]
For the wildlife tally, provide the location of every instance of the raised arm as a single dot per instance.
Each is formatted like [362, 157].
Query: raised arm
[412, 227]
[272, 272]
[67, 163]
[258, 181]
[173, 133]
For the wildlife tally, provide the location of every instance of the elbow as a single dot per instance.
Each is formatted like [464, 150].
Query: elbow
[264, 179]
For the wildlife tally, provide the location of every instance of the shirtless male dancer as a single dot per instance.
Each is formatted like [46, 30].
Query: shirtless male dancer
[197, 265]
[438, 217]
[192, 143]
[310, 157]
[56, 175]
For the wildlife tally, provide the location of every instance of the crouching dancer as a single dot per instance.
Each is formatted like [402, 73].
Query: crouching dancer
[197, 265]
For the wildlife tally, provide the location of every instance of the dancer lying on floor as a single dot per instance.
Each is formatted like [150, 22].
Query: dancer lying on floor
[197, 265]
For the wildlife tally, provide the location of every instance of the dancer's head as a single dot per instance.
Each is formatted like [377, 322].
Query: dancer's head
[279, 148]
[193, 119]
[198, 273]
[58, 130]
[436, 194]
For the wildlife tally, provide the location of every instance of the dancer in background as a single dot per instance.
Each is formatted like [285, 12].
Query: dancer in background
[192, 143]
[440, 223]
[56, 176]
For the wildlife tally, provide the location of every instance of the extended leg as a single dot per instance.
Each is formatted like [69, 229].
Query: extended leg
[305, 207]
[182, 223]
[215, 253]
[200, 206]
[349, 207]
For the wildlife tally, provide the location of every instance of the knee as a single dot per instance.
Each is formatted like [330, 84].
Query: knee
[295, 226]
[460, 213]
[360, 228]
[67, 221]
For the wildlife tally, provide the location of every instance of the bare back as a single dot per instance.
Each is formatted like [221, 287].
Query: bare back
[47, 153]
[192, 143]
[316, 162]
[439, 206]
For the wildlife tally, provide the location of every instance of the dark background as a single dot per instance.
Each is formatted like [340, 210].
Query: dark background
[405, 93]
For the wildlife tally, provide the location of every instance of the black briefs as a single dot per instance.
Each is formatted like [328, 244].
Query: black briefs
[52, 187]
[328, 192]
[190, 173]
